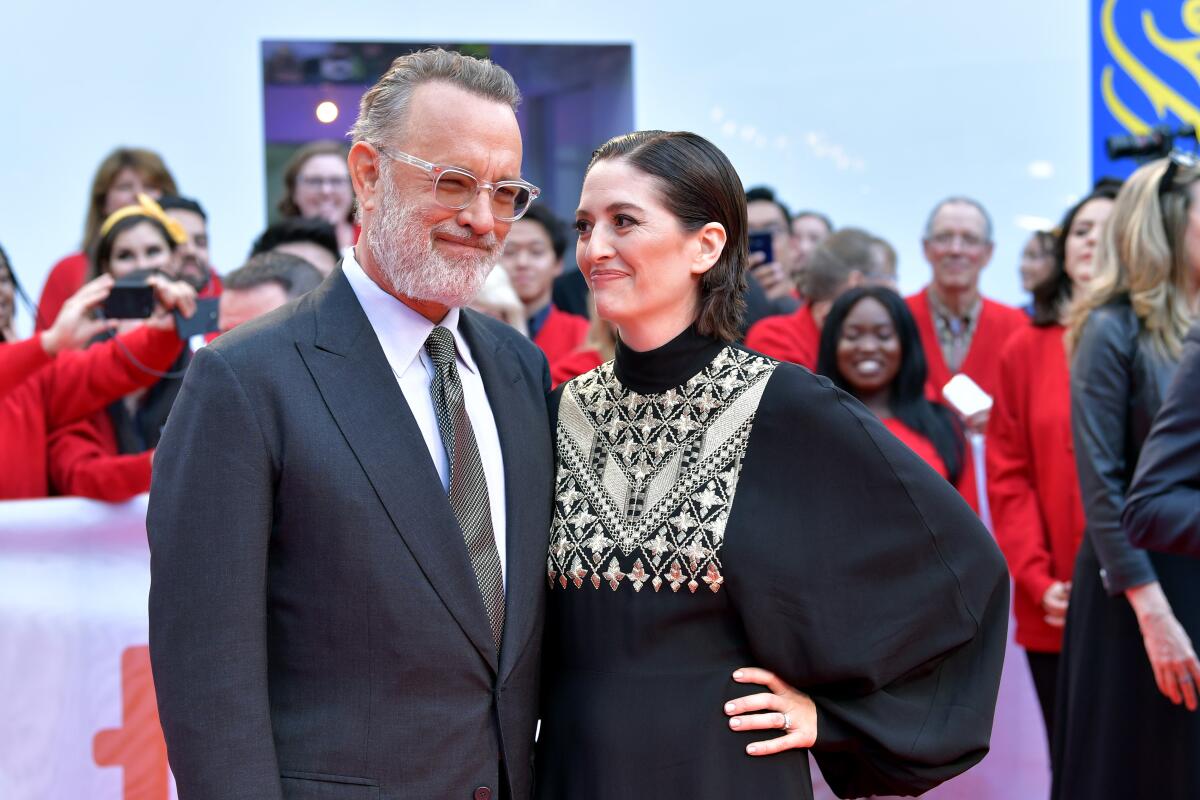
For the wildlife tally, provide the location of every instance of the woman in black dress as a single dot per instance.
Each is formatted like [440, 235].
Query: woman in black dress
[1125, 724]
[744, 564]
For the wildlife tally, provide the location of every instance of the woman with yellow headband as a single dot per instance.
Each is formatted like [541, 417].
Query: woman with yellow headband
[107, 456]
[139, 238]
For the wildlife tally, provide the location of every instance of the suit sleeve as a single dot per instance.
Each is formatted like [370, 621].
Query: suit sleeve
[209, 522]
[1011, 484]
[1163, 509]
[885, 599]
[1100, 389]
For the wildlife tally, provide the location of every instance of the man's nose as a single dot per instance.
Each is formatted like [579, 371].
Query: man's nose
[478, 215]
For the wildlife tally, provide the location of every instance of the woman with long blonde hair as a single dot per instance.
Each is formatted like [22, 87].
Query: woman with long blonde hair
[1125, 718]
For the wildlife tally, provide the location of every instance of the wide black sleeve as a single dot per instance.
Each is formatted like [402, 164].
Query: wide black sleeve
[878, 591]
[1101, 386]
[1162, 511]
[209, 523]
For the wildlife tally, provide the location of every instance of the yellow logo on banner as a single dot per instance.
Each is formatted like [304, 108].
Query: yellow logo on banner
[1185, 52]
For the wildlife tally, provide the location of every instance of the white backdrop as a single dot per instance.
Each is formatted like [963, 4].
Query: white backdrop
[869, 111]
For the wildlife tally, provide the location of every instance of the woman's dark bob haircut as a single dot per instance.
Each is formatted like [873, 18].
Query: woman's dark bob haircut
[699, 186]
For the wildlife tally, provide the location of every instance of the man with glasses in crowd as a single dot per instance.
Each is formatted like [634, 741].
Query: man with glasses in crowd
[346, 591]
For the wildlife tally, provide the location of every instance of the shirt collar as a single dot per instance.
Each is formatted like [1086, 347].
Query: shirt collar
[940, 310]
[401, 330]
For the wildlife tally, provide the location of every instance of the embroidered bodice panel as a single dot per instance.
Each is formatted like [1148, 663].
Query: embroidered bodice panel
[645, 483]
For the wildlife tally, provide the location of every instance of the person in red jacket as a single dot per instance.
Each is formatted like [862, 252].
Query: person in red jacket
[851, 257]
[1037, 514]
[533, 258]
[870, 349]
[46, 383]
[123, 174]
[961, 330]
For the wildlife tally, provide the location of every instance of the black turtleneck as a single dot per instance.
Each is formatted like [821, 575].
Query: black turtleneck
[666, 367]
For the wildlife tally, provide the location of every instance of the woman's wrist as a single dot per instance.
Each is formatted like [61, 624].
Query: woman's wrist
[1148, 601]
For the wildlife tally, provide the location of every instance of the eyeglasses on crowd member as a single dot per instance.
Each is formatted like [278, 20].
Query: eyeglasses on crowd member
[1125, 721]
[1033, 486]
[710, 517]
[124, 173]
[316, 183]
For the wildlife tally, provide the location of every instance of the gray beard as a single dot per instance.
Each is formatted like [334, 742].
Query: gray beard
[403, 250]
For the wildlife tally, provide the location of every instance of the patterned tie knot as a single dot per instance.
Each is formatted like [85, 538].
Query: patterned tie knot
[440, 346]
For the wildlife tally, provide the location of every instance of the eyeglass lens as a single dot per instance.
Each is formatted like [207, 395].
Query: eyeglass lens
[457, 190]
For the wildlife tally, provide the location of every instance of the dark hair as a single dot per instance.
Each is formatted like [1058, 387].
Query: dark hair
[293, 273]
[291, 173]
[907, 399]
[298, 229]
[815, 215]
[699, 186]
[835, 260]
[756, 194]
[174, 201]
[551, 224]
[1053, 294]
[102, 251]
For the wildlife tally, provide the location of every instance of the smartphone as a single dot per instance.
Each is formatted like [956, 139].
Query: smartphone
[202, 322]
[763, 242]
[130, 298]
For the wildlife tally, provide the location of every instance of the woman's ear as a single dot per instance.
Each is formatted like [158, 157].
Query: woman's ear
[710, 243]
[363, 162]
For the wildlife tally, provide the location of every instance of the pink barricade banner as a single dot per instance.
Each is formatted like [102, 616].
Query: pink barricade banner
[77, 711]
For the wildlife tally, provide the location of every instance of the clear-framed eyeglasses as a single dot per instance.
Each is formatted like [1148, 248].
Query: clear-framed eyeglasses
[455, 188]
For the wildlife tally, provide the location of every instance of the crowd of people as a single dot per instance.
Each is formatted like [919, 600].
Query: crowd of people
[1084, 455]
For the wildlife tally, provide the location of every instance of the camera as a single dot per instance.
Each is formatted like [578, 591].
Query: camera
[1156, 144]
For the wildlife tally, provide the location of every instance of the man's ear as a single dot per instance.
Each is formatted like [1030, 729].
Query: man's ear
[363, 162]
[710, 241]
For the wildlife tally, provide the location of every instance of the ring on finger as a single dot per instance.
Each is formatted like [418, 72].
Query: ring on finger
[787, 722]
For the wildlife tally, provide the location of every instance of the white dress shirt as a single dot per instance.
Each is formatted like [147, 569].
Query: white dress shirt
[402, 333]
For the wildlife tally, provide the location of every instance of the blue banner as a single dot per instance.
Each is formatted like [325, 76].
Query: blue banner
[1145, 73]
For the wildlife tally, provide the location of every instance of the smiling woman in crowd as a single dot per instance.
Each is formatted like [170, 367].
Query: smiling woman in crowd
[316, 183]
[870, 348]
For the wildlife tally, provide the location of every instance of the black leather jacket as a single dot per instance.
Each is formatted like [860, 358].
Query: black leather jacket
[1118, 380]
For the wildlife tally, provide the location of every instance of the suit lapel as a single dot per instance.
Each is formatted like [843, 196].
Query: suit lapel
[361, 392]
[526, 538]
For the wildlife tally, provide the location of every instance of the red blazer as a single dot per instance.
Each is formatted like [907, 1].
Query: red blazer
[791, 337]
[45, 394]
[1037, 513]
[918, 444]
[996, 323]
[68, 275]
[570, 366]
[84, 460]
[560, 335]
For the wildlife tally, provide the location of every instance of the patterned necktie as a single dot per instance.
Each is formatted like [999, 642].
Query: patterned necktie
[468, 486]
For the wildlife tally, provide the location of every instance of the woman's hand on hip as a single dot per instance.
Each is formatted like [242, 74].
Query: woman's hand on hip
[781, 709]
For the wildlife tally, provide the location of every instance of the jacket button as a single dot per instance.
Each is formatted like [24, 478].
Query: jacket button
[483, 793]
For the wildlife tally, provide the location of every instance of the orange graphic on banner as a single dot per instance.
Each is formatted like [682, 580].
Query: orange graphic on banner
[137, 746]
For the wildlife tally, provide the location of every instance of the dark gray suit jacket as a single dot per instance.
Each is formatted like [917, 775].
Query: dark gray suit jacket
[316, 630]
[1163, 508]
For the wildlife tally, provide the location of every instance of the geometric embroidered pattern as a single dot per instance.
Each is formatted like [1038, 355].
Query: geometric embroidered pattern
[645, 482]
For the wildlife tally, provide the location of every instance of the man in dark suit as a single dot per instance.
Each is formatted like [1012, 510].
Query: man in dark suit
[351, 501]
[1162, 511]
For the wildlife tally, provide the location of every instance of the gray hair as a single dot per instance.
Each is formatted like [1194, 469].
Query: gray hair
[384, 107]
[961, 200]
